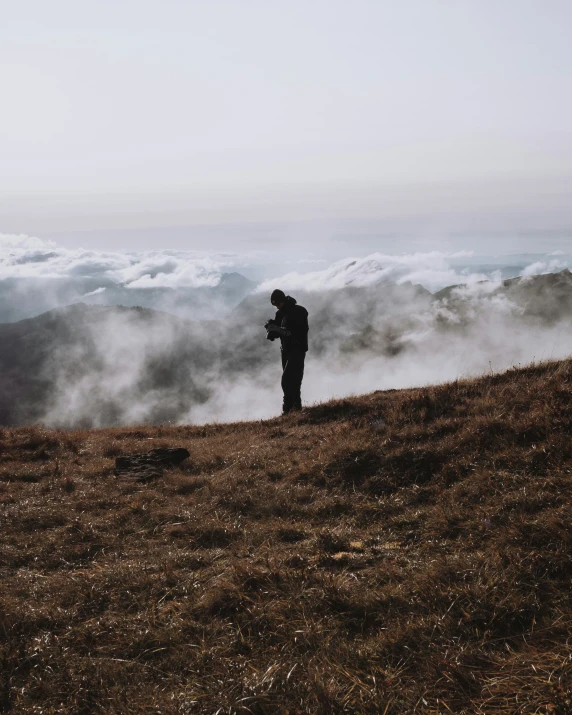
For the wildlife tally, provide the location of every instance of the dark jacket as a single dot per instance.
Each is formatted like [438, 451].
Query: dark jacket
[295, 319]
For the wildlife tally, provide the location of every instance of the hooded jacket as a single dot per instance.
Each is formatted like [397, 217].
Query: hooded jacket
[294, 318]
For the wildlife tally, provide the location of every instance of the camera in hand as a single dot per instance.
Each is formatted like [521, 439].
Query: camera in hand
[269, 334]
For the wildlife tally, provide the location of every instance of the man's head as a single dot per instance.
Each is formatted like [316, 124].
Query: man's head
[278, 299]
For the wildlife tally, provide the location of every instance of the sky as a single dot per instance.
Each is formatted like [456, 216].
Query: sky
[372, 124]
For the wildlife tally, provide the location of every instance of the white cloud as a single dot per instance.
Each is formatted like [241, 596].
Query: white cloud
[432, 270]
[475, 328]
[97, 291]
[478, 289]
[29, 257]
[539, 267]
[159, 271]
[19, 242]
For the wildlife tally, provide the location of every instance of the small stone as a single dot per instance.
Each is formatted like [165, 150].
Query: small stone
[148, 466]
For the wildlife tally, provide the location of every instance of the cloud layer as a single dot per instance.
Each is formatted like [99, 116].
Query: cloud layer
[372, 327]
[367, 339]
[28, 257]
[434, 270]
[37, 275]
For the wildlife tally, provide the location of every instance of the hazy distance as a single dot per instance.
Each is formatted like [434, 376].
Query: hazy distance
[343, 128]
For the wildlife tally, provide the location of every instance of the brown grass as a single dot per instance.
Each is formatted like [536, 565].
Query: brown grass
[401, 552]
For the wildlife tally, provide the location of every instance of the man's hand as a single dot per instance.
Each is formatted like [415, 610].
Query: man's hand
[272, 329]
[268, 325]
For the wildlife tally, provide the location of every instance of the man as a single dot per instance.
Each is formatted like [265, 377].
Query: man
[291, 326]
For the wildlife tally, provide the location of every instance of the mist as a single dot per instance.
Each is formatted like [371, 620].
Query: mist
[147, 368]
[166, 336]
[37, 275]
[418, 348]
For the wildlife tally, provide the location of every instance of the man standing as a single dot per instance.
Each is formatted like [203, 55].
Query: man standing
[291, 326]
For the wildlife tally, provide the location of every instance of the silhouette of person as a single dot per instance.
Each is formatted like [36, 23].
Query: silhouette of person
[290, 325]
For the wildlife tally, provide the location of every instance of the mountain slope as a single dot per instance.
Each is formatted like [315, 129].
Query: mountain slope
[547, 296]
[405, 551]
[107, 355]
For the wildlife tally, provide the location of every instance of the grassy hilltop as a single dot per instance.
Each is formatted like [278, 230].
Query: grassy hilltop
[405, 551]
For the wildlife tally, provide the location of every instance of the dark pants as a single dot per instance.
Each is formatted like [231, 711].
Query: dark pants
[293, 372]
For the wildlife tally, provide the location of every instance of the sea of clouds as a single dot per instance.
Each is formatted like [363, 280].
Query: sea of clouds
[30, 257]
[433, 270]
[38, 275]
[62, 275]
[415, 340]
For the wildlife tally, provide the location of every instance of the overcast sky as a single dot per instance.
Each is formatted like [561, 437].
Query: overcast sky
[125, 122]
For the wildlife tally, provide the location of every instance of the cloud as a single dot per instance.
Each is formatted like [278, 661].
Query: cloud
[21, 242]
[432, 270]
[140, 367]
[540, 267]
[170, 271]
[97, 291]
[45, 275]
[29, 257]
[478, 332]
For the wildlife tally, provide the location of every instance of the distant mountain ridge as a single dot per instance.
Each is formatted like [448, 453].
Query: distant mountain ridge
[22, 298]
[555, 287]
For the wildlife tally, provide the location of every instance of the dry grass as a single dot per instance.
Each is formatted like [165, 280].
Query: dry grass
[401, 552]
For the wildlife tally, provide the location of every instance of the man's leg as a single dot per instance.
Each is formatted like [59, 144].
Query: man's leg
[286, 406]
[297, 380]
[293, 364]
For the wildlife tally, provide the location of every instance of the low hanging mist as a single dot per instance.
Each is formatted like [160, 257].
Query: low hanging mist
[188, 345]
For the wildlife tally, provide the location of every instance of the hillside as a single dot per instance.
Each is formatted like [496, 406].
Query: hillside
[95, 360]
[547, 297]
[405, 551]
